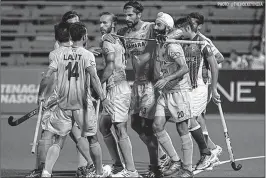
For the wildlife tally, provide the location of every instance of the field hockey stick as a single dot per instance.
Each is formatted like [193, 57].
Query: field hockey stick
[228, 142]
[37, 128]
[18, 121]
[167, 41]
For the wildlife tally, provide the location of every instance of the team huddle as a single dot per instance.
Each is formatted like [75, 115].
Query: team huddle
[173, 83]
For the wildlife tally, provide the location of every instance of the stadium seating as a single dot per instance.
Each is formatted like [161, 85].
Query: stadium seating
[27, 30]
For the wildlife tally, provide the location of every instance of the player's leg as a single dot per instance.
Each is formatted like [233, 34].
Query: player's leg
[126, 151]
[52, 155]
[105, 125]
[44, 144]
[84, 166]
[163, 137]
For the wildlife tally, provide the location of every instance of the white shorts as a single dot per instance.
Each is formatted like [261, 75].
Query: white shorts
[199, 97]
[60, 122]
[120, 95]
[176, 105]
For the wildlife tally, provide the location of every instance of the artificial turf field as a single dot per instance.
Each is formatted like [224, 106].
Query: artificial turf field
[247, 133]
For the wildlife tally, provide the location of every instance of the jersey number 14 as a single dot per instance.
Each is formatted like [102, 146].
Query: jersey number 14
[72, 72]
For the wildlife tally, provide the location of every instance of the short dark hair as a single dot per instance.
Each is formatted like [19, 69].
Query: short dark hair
[187, 22]
[77, 31]
[257, 47]
[179, 22]
[69, 15]
[198, 16]
[62, 32]
[138, 8]
[114, 17]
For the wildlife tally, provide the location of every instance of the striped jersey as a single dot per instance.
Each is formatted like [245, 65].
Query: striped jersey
[168, 66]
[196, 58]
[119, 73]
[70, 64]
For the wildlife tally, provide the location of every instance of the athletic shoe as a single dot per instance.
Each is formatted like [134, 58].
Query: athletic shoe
[34, 173]
[205, 161]
[126, 173]
[215, 162]
[45, 173]
[153, 172]
[185, 173]
[116, 169]
[81, 171]
[165, 160]
[173, 168]
[217, 151]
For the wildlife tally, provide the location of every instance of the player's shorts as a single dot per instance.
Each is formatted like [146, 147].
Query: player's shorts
[120, 96]
[175, 105]
[55, 120]
[60, 122]
[199, 97]
[143, 99]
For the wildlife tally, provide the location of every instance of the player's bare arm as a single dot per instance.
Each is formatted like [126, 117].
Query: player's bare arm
[96, 83]
[108, 70]
[214, 73]
[179, 58]
[219, 58]
[44, 83]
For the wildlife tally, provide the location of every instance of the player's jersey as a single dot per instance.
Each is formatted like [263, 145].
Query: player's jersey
[196, 58]
[134, 48]
[119, 73]
[168, 66]
[71, 64]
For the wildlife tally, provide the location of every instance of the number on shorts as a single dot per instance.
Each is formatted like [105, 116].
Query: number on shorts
[72, 72]
[180, 114]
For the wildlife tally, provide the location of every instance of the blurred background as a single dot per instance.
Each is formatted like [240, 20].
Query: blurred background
[27, 37]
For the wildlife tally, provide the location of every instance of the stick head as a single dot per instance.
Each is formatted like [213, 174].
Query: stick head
[236, 168]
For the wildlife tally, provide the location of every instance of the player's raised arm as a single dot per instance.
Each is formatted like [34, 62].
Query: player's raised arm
[109, 56]
[208, 55]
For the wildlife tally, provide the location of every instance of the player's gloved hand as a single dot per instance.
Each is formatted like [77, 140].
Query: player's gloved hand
[108, 37]
[95, 50]
[160, 38]
[215, 96]
[108, 106]
[161, 83]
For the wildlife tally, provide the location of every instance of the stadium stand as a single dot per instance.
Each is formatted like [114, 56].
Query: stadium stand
[27, 27]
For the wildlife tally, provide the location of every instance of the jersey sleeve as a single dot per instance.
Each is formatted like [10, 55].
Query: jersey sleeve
[107, 48]
[175, 51]
[90, 60]
[53, 61]
[207, 51]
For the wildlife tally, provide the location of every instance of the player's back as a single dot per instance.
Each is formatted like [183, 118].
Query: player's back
[71, 64]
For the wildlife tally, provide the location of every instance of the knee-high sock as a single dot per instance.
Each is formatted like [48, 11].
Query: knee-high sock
[208, 140]
[161, 152]
[96, 154]
[187, 148]
[166, 143]
[52, 156]
[84, 148]
[152, 150]
[42, 148]
[112, 148]
[126, 150]
[82, 160]
[199, 138]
